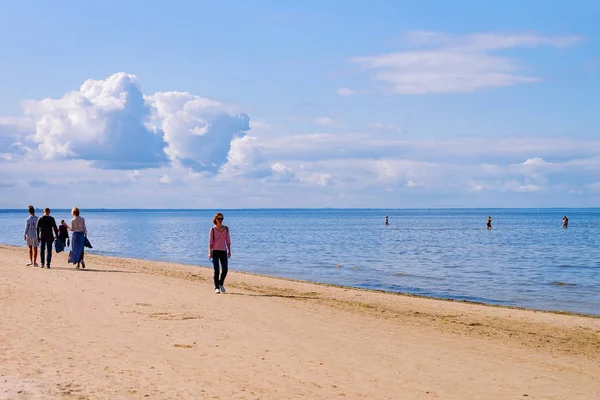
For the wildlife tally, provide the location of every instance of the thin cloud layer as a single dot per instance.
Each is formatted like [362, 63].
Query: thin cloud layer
[363, 161]
[443, 63]
[369, 144]
[346, 92]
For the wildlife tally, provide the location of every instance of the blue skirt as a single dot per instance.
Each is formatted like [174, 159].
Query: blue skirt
[77, 242]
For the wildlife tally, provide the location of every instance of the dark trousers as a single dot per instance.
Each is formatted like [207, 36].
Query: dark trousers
[46, 243]
[219, 255]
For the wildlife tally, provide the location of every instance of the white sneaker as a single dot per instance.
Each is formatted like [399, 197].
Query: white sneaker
[217, 291]
[223, 289]
[30, 263]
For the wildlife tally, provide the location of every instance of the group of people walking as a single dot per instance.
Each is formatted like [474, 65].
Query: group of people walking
[43, 232]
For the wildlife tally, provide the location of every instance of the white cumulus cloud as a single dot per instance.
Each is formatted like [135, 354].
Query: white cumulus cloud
[246, 159]
[198, 131]
[114, 125]
[104, 122]
[282, 173]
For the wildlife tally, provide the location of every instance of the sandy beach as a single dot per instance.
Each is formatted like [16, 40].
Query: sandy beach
[132, 329]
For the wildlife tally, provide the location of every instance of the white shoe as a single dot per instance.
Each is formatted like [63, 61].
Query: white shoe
[217, 291]
[36, 265]
[30, 263]
[223, 289]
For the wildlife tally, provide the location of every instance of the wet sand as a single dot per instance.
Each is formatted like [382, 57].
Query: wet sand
[133, 329]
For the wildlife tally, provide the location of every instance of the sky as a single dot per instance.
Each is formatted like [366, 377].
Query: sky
[268, 104]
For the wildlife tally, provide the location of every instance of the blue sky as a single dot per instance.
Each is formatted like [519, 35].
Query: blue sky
[300, 104]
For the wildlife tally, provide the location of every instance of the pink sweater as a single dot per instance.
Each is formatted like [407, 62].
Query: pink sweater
[218, 240]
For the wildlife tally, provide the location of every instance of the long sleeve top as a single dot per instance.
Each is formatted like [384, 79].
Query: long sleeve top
[219, 240]
[46, 227]
[78, 225]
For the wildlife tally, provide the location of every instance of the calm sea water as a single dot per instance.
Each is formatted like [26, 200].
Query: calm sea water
[527, 259]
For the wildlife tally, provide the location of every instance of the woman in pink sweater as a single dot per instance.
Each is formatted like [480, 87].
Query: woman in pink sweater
[219, 250]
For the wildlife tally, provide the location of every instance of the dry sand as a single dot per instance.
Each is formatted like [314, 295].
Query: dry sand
[131, 329]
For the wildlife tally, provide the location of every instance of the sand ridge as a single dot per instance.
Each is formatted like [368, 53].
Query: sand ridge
[137, 329]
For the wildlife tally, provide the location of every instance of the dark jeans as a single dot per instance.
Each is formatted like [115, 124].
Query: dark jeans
[43, 244]
[219, 255]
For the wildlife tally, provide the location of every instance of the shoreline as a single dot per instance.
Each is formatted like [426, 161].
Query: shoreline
[387, 292]
[481, 303]
[130, 328]
[404, 294]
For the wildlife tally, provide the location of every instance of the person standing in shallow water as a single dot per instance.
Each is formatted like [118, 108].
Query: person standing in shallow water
[219, 250]
[30, 236]
[387, 222]
[489, 223]
[565, 222]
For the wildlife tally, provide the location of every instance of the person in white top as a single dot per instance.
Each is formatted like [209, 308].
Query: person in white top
[78, 239]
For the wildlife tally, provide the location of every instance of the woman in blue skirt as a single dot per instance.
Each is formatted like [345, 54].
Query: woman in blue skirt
[77, 239]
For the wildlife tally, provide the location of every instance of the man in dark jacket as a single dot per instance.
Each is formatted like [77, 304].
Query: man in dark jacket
[46, 229]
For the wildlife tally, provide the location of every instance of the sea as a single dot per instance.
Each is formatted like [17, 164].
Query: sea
[526, 260]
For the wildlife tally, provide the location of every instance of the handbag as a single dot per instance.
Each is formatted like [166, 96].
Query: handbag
[59, 245]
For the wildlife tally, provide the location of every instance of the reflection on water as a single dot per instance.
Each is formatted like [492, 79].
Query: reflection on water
[526, 260]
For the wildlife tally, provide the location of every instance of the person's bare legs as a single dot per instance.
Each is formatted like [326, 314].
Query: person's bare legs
[33, 253]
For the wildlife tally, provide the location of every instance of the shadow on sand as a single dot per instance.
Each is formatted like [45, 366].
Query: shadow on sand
[92, 270]
[284, 296]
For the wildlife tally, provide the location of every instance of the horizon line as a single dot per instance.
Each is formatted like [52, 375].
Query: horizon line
[309, 208]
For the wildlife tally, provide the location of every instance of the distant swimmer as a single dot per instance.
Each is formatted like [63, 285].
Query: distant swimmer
[489, 223]
[387, 222]
[565, 222]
